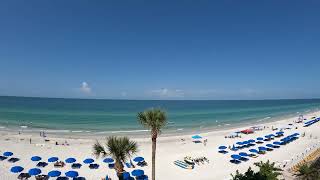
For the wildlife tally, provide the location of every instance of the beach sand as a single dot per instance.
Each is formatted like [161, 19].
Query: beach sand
[169, 149]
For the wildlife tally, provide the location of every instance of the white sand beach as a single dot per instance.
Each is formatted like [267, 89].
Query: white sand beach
[169, 149]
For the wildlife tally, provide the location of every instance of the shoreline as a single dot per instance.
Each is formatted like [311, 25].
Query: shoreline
[169, 149]
[183, 134]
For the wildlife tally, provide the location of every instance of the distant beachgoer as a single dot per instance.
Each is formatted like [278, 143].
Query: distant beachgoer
[30, 140]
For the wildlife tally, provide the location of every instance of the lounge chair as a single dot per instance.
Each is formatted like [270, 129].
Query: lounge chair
[76, 166]
[79, 178]
[111, 166]
[13, 160]
[2, 158]
[62, 178]
[42, 164]
[59, 164]
[244, 159]
[94, 166]
[234, 161]
[183, 164]
[42, 177]
[24, 176]
[142, 163]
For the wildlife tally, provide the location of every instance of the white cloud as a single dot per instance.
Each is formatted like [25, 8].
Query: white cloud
[167, 93]
[85, 88]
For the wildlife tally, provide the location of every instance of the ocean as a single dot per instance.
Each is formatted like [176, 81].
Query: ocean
[95, 116]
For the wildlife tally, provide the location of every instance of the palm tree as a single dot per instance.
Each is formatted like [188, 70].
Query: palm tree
[268, 170]
[155, 120]
[120, 148]
[307, 172]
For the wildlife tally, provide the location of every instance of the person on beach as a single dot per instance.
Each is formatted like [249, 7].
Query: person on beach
[30, 140]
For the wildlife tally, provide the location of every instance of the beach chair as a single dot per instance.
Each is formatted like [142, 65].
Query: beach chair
[2, 158]
[94, 166]
[42, 164]
[24, 176]
[235, 161]
[13, 160]
[79, 178]
[62, 178]
[111, 166]
[76, 166]
[42, 177]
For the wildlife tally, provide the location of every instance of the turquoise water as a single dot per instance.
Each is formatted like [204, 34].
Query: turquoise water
[112, 116]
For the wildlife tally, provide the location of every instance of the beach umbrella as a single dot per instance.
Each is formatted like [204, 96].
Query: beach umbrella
[253, 150]
[35, 158]
[269, 145]
[260, 139]
[267, 136]
[251, 141]
[295, 134]
[88, 161]
[137, 172]
[34, 171]
[7, 153]
[53, 159]
[16, 169]
[245, 142]
[243, 154]
[138, 159]
[277, 143]
[70, 160]
[196, 137]
[261, 148]
[271, 135]
[279, 133]
[126, 175]
[239, 143]
[222, 147]
[108, 160]
[72, 174]
[235, 156]
[54, 173]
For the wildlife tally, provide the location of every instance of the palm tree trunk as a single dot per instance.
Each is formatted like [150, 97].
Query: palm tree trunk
[154, 146]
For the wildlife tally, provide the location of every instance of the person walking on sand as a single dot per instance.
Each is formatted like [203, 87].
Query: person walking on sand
[30, 140]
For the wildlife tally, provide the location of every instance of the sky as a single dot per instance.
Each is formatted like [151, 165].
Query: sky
[187, 49]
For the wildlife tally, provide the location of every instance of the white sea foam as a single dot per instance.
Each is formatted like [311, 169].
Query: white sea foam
[180, 129]
[24, 127]
[76, 131]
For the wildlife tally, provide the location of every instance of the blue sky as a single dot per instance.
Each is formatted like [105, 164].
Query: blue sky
[138, 49]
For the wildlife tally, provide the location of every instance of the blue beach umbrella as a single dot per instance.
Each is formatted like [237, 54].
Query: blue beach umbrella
[260, 139]
[34, 171]
[54, 173]
[138, 159]
[243, 154]
[196, 137]
[253, 150]
[71, 160]
[53, 159]
[296, 134]
[72, 174]
[35, 158]
[261, 148]
[235, 156]
[277, 143]
[108, 160]
[88, 161]
[7, 153]
[16, 169]
[251, 141]
[245, 142]
[222, 147]
[269, 145]
[279, 133]
[137, 172]
[271, 135]
[267, 136]
[126, 175]
[239, 143]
